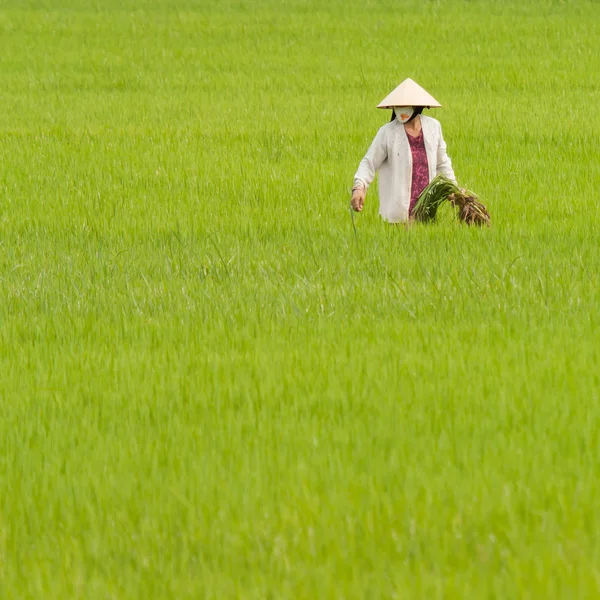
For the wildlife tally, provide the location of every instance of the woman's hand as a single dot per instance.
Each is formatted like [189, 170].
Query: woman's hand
[358, 199]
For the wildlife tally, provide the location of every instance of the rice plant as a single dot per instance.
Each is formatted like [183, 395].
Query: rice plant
[468, 208]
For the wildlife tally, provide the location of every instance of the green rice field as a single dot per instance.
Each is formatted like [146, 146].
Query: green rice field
[215, 382]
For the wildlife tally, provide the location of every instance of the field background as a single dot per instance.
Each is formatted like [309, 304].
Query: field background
[211, 387]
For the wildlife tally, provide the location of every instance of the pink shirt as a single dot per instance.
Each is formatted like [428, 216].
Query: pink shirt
[420, 168]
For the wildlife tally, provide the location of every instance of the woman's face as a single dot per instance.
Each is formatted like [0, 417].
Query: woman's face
[404, 113]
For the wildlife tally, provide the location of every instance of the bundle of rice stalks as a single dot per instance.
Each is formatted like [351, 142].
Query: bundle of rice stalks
[468, 208]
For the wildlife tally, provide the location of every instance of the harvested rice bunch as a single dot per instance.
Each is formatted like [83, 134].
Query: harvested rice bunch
[468, 208]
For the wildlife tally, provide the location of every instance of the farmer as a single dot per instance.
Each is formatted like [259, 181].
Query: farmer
[409, 151]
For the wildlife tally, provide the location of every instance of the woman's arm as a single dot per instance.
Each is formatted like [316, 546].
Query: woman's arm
[371, 162]
[444, 164]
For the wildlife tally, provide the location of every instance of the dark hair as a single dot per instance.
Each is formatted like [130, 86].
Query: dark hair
[418, 111]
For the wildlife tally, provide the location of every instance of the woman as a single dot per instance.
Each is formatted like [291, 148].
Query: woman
[409, 152]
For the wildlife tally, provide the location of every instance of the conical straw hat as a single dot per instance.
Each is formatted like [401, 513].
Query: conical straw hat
[408, 93]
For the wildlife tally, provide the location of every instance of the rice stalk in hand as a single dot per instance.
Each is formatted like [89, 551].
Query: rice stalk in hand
[440, 189]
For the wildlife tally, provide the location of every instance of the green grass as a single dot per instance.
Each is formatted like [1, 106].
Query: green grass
[210, 387]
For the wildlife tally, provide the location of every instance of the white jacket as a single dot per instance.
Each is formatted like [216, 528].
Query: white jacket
[390, 154]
